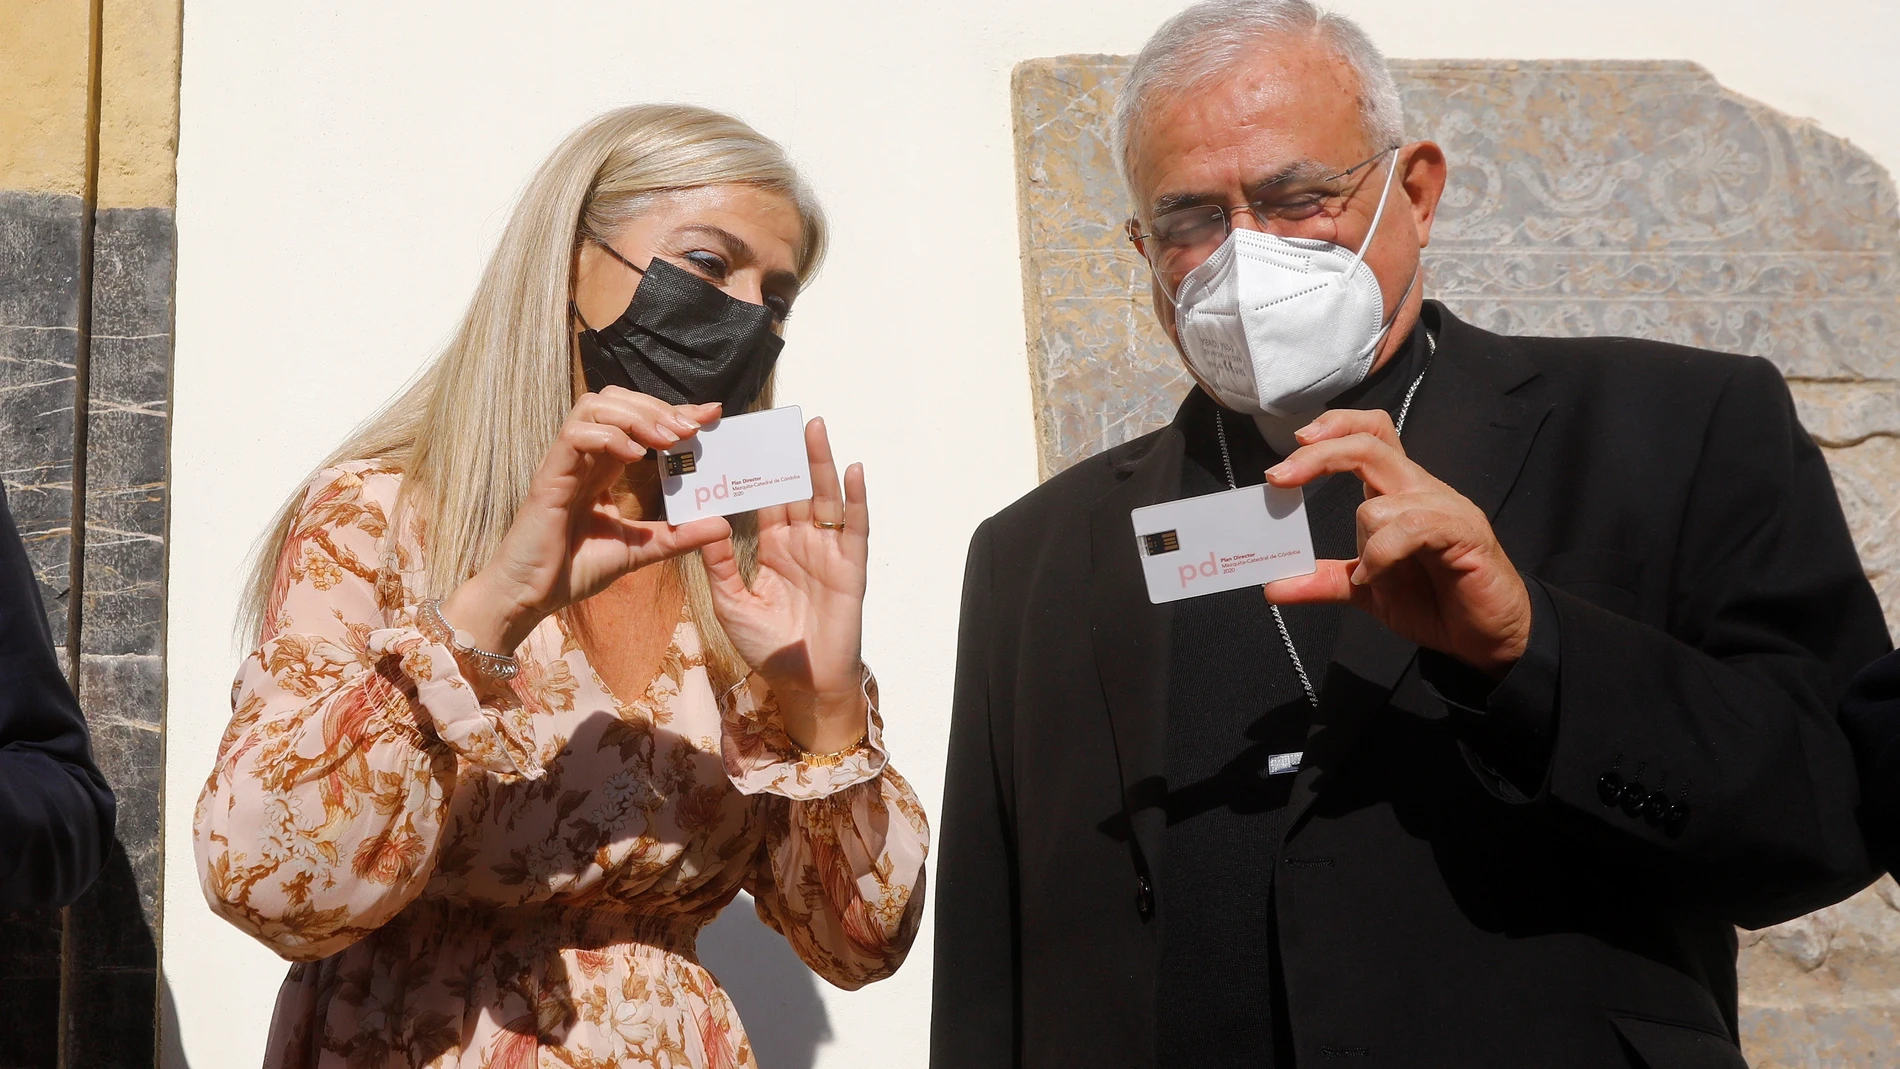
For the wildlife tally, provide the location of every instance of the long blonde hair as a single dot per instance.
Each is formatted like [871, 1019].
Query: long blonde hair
[469, 433]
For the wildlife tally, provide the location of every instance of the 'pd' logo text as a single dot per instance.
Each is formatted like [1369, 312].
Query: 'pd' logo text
[1207, 569]
[704, 495]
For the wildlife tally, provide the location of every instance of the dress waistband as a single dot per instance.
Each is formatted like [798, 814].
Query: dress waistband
[551, 925]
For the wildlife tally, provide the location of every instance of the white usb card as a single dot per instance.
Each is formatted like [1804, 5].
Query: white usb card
[737, 464]
[1225, 541]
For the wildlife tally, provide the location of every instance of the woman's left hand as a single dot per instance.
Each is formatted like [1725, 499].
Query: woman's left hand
[800, 623]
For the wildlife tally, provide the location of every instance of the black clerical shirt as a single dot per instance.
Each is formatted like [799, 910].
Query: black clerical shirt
[1235, 703]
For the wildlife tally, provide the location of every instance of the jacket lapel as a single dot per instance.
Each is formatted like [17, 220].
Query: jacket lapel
[1472, 424]
[1472, 427]
[1129, 634]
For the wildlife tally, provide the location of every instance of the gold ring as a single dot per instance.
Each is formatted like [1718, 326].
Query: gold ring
[828, 525]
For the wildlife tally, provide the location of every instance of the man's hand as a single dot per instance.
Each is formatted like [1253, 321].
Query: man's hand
[1429, 566]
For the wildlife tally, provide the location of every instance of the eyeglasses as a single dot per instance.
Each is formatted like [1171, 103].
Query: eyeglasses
[1200, 227]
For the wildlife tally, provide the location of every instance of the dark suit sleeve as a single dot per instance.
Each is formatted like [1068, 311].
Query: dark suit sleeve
[1737, 785]
[1507, 724]
[973, 1010]
[1871, 716]
[55, 808]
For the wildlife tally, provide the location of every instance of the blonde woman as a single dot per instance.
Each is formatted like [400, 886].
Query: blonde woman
[506, 743]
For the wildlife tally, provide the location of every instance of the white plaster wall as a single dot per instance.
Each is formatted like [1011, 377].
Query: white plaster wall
[345, 167]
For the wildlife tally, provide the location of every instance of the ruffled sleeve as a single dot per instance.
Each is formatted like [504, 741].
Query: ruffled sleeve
[324, 814]
[841, 872]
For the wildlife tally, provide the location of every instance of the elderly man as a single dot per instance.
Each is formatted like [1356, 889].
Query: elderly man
[1489, 788]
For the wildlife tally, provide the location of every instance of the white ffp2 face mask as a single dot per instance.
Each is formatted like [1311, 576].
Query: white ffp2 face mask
[1280, 326]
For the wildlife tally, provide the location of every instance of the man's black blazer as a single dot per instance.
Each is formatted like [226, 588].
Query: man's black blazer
[56, 812]
[1871, 716]
[1709, 607]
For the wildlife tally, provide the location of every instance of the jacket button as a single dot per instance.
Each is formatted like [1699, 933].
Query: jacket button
[1676, 817]
[1610, 788]
[1656, 808]
[1633, 797]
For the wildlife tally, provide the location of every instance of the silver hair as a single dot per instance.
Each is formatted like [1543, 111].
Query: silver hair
[1202, 43]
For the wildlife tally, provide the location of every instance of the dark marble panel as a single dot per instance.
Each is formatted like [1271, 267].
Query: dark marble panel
[122, 696]
[29, 989]
[39, 315]
[125, 564]
[36, 442]
[39, 259]
[134, 261]
[112, 956]
[112, 952]
[129, 385]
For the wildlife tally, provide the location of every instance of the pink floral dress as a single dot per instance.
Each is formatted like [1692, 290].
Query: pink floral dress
[520, 884]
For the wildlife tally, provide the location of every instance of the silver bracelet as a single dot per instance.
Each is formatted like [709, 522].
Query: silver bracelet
[495, 667]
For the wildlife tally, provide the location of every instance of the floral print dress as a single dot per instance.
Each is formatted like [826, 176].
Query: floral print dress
[520, 884]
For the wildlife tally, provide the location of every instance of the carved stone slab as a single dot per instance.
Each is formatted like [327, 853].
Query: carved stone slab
[1585, 198]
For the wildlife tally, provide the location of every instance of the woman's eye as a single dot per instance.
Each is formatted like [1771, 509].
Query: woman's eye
[708, 264]
[780, 308]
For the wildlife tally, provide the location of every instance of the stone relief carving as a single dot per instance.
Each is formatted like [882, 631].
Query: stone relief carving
[1585, 198]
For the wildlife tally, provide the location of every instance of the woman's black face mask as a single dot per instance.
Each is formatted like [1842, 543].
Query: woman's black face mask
[683, 340]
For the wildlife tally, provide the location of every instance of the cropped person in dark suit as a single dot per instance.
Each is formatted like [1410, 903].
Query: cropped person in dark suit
[55, 808]
[1871, 716]
[1490, 788]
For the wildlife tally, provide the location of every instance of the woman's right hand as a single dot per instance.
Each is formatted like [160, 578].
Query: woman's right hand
[569, 540]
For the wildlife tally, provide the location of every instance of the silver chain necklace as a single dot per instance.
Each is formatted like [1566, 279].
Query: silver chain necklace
[1227, 461]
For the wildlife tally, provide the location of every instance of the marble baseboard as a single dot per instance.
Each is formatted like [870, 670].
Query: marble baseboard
[103, 953]
[112, 946]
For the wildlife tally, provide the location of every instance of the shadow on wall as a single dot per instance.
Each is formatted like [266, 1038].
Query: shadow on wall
[776, 993]
[171, 1045]
[89, 972]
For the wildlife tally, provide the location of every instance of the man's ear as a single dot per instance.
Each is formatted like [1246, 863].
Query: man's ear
[1424, 184]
